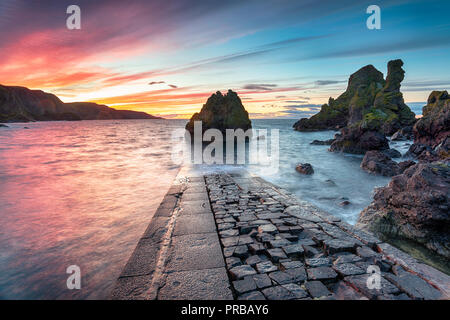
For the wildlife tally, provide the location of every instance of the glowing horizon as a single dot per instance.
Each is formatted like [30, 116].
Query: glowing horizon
[284, 60]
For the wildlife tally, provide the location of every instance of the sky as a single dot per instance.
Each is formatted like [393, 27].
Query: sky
[284, 58]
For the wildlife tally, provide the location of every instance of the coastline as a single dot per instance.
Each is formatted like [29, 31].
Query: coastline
[190, 236]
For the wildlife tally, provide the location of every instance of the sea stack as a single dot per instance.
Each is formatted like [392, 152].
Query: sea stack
[371, 108]
[221, 112]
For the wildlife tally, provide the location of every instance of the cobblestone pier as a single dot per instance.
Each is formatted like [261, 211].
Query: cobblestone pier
[235, 236]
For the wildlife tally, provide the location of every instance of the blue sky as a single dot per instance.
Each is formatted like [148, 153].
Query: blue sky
[284, 58]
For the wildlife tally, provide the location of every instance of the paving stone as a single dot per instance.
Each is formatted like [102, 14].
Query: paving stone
[276, 254]
[365, 252]
[256, 248]
[318, 262]
[246, 217]
[343, 291]
[294, 251]
[306, 242]
[195, 252]
[298, 274]
[336, 245]
[225, 226]
[290, 265]
[229, 233]
[278, 293]
[278, 243]
[241, 252]
[295, 230]
[262, 280]
[359, 282]
[245, 285]
[317, 289]
[310, 251]
[230, 241]
[254, 295]
[267, 228]
[280, 277]
[264, 237]
[321, 273]
[232, 262]
[253, 260]
[228, 252]
[296, 290]
[345, 257]
[414, 286]
[348, 269]
[209, 284]
[239, 272]
[265, 267]
[245, 240]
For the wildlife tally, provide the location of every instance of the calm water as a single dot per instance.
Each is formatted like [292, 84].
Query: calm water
[83, 193]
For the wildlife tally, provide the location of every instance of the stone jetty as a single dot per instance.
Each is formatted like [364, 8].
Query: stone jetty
[227, 236]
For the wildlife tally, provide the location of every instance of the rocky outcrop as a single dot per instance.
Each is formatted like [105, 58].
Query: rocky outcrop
[378, 162]
[304, 168]
[322, 142]
[370, 102]
[370, 107]
[222, 112]
[414, 205]
[432, 131]
[403, 134]
[19, 104]
[358, 141]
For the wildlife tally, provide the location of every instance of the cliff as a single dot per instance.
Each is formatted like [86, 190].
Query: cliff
[19, 104]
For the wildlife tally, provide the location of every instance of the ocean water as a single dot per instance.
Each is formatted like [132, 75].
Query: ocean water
[82, 193]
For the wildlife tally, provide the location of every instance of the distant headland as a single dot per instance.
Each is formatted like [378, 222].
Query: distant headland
[20, 104]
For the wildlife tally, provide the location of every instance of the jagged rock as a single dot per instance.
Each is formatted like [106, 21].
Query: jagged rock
[379, 162]
[221, 112]
[370, 102]
[322, 143]
[432, 131]
[414, 205]
[304, 168]
[403, 134]
[355, 140]
[19, 104]
[392, 153]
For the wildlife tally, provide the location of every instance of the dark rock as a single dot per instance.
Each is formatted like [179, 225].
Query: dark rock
[290, 265]
[403, 134]
[233, 262]
[253, 260]
[317, 289]
[358, 141]
[294, 250]
[322, 143]
[414, 205]
[222, 112]
[280, 277]
[405, 165]
[392, 153]
[344, 203]
[432, 131]
[298, 274]
[379, 163]
[3, 125]
[304, 168]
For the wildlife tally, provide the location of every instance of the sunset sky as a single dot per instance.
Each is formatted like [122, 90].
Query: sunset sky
[165, 57]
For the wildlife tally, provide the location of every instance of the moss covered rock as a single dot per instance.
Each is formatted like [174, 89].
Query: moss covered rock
[222, 112]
